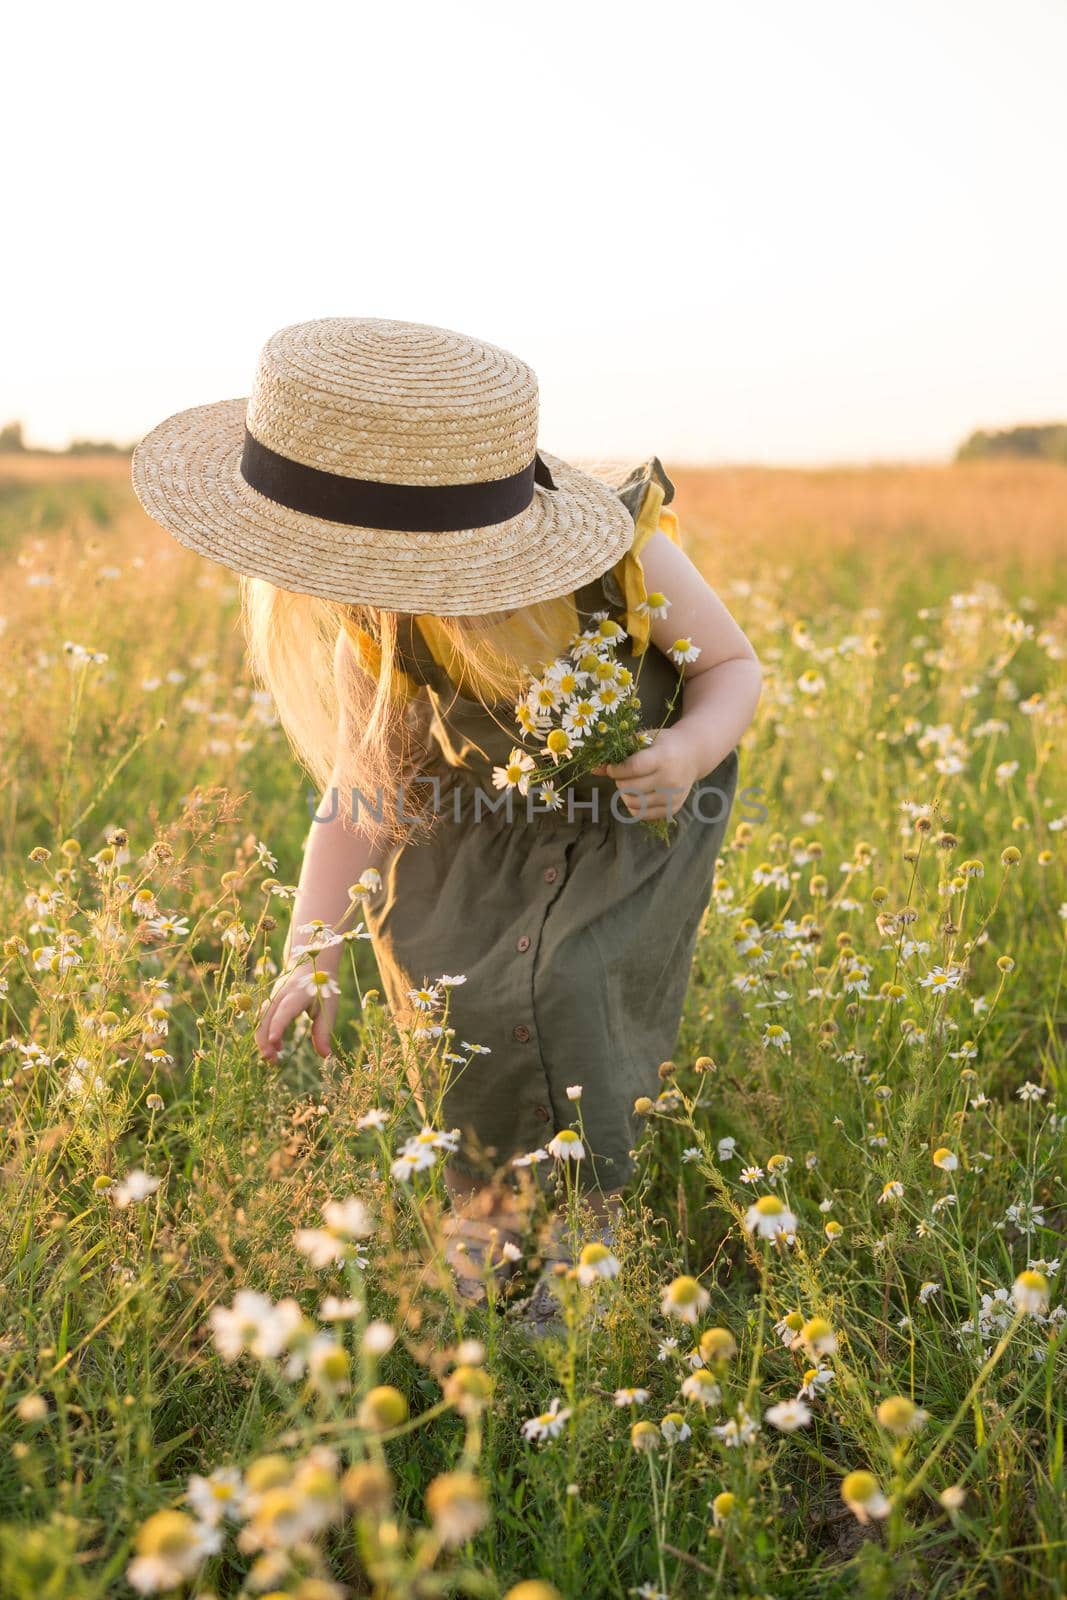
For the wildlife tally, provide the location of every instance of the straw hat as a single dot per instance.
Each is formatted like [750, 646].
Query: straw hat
[385, 462]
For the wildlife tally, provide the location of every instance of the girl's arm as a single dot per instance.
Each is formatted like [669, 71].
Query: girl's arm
[720, 694]
[335, 856]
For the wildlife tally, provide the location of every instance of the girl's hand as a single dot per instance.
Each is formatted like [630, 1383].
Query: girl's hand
[654, 782]
[291, 995]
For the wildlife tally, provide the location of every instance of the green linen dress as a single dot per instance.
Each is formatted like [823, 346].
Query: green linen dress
[574, 932]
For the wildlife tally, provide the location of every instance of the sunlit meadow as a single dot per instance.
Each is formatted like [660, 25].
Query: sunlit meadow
[825, 1354]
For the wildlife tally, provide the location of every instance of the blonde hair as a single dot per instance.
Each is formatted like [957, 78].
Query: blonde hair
[355, 725]
[348, 713]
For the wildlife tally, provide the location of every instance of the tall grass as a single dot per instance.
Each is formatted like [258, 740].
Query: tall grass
[873, 1050]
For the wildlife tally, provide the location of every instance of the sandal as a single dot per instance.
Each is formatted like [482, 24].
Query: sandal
[475, 1246]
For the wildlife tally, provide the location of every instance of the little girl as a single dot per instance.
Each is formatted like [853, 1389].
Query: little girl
[408, 559]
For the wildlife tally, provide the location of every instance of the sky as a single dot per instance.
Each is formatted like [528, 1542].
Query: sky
[764, 232]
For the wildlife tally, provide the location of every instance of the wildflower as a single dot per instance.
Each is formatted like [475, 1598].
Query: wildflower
[927, 1292]
[701, 1387]
[530, 1159]
[346, 1221]
[788, 1415]
[383, 1408]
[376, 1118]
[901, 1416]
[136, 1185]
[630, 1397]
[683, 651]
[952, 1498]
[751, 1174]
[893, 1190]
[566, 1146]
[334, 1309]
[320, 985]
[717, 1345]
[941, 978]
[457, 1506]
[378, 1337]
[674, 1428]
[1030, 1092]
[217, 1496]
[549, 1425]
[654, 604]
[833, 1231]
[726, 1148]
[596, 1261]
[788, 1328]
[776, 1036]
[739, 1430]
[516, 775]
[770, 1217]
[685, 1299]
[170, 1547]
[810, 682]
[1030, 1293]
[860, 1492]
[468, 1389]
[816, 1379]
[32, 1408]
[818, 1337]
[254, 1323]
[945, 1159]
[723, 1506]
[645, 1436]
[169, 926]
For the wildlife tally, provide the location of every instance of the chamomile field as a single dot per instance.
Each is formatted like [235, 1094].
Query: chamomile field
[825, 1353]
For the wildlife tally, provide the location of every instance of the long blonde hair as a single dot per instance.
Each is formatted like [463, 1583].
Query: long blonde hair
[354, 724]
[348, 712]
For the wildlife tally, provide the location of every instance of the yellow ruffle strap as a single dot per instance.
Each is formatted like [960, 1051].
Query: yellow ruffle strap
[647, 491]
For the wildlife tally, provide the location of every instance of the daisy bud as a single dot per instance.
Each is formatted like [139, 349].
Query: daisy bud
[368, 1487]
[723, 1506]
[717, 1344]
[384, 1407]
[704, 1064]
[32, 1408]
[642, 1105]
[1010, 856]
[645, 1436]
[953, 1497]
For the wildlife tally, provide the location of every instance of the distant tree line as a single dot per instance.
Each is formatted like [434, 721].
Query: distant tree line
[1044, 441]
[12, 442]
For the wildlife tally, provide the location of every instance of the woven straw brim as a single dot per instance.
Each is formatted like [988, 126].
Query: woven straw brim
[186, 475]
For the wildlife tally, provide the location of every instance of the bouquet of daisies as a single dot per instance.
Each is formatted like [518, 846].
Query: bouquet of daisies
[582, 711]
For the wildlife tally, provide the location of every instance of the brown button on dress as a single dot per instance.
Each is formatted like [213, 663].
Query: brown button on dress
[574, 932]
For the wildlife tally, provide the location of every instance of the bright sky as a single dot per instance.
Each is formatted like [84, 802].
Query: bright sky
[831, 230]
